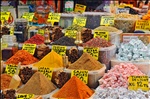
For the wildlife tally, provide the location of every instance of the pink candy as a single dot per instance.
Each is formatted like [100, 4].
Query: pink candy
[118, 76]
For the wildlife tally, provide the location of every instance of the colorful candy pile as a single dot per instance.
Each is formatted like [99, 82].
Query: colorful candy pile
[118, 76]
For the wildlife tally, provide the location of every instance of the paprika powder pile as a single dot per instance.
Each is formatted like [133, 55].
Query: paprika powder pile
[74, 89]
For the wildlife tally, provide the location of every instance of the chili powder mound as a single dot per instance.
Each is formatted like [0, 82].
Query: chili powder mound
[5, 81]
[22, 56]
[38, 85]
[86, 62]
[74, 89]
[36, 39]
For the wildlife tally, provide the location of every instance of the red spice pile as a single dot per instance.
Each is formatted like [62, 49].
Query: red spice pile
[97, 42]
[36, 39]
[22, 56]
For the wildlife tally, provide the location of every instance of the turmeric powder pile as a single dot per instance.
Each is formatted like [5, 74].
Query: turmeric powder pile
[22, 56]
[74, 89]
[86, 62]
[52, 60]
[146, 16]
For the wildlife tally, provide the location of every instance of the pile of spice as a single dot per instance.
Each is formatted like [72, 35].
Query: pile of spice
[97, 42]
[52, 60]
[66, 41]
[106, 28]
[41, 51]
[5, 81]
[38, 85]
[118, 76]
[22, 56]
[9, 94]
[36, 39]
[4, 31]
[74, 89]
[86, 62]
[25, 74]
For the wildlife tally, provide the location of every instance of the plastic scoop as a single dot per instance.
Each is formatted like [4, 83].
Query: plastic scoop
[15, 81]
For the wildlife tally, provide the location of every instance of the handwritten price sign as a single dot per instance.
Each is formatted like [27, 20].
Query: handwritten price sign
[107, 20]
[28, 16]
[46, 71]
[4, 15]
[11, 69]
[53, 17]
[81, 21]
[25, 96]
[41, 31]
[142, 25]
[92, 51]
[61, 50]
[71, 33]
[30, 48]
[138, 82]
[102, 34]
[81, 74]
[80, 8]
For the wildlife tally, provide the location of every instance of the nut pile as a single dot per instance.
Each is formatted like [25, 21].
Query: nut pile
[73, 55]
[56, 33]
[86, 34]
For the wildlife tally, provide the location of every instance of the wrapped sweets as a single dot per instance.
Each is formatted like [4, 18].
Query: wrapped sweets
[135, 50]
[118, 76]
[120, 93]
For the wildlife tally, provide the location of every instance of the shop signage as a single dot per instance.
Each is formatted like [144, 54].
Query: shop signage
[61, 50]
[102, 34]
[81, 74]
[107, 20]
[92, 51]
[30, 48]
[71, 33]
[80, 8]
[46, 71]
[25, 96]
[81, 21]
[11, 69]
[138, 82]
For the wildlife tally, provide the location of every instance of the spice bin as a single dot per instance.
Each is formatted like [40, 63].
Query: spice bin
[143, 66]
[93, 76]
[105, 55]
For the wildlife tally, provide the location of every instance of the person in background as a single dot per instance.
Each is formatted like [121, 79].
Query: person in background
[101, 6]
[147, 2]
[140, 4]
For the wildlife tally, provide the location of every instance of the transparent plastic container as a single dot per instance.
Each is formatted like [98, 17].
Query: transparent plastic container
[105, 55]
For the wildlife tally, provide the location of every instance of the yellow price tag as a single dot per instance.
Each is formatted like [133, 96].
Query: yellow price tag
[46, 71]
[5, 15]
[81, 74]
[138, 82]
[11, 69]
[25, 96]
[107, 20]
[12, 31]
[4, 45]
[25, 15]
[53, 17]
[29, 47]
[101, 34]
[80, 8]
[61, 50]
[142, 25]
[28, 16]
[81, 21]
[92, 51]
[41, 31]
[71, 33]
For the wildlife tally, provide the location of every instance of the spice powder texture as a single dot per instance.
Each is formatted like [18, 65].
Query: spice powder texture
[52, 60]
[22, 56]
[74, 89]
[86, 62]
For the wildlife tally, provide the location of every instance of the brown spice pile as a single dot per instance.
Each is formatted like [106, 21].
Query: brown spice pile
[5, 81]
[86, 62]
[22, 56]
[74, 89]
[38, 85]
